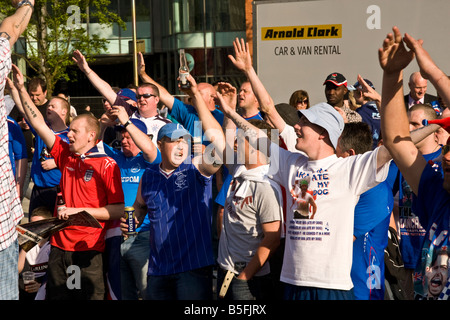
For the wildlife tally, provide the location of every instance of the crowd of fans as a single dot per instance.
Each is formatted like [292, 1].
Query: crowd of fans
[234, 197]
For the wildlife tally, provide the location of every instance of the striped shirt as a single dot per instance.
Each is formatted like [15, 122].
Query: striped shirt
[153, 125]
[180, 219]
[11, 212]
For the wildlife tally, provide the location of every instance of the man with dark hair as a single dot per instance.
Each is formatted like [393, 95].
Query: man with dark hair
[37, 89]
[372, 217]
[44, 173]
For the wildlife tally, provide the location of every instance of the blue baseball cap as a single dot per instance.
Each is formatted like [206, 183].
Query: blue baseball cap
[138, 123]
[325, 116]
[174, 131]
[358, 85]
[127, 94]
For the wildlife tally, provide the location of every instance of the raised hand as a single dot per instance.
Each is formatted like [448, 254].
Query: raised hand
[243, 59]
[120, 113]
[228, 92]
[394, 56]
[367, 91]
[193, 89]
[141, 63]
[17, 77]
[80, 60]
[426, 64]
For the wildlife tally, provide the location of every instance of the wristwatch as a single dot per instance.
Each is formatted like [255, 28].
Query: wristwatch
[127, 123]
[25, 3]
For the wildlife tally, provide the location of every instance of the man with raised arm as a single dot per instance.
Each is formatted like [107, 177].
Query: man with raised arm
[318, 252]
[147, 96]
[90, 181]
[183, 113]
[252, 203]
[11, 209]
[175, 195]
[431, 188]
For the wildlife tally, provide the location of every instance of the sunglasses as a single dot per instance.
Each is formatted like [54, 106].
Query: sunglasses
[445, 149]
[303, 101]
[145, 96]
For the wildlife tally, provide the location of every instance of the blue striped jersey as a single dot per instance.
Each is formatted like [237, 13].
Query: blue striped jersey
[180, 218]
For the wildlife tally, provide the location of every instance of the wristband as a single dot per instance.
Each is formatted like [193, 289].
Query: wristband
[127, 124]
[25, 3]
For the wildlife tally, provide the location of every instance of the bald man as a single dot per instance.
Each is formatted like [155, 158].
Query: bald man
[417, 91]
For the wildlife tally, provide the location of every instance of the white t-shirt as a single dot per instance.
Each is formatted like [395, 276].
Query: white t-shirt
[289, 137]
[153, 125]
[318, 251]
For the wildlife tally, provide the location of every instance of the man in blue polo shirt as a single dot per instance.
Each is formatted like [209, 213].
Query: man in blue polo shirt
[135, 155]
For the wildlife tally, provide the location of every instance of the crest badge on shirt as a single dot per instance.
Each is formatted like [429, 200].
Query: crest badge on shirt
[88, 175]
[180, 181]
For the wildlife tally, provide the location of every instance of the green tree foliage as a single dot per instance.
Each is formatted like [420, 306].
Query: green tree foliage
[59, 27]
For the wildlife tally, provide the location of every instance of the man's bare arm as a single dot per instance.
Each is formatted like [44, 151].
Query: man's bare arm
[208, 163]
[13, 26]
[243, 62]
[103, 87]
[428, 69]
[31, 112]
[165, 97]
[393, 58]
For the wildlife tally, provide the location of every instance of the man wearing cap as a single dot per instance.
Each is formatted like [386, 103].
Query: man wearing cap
[146, 97]
[128, 95]
[366, 96]
[136, 154]
[176, 196]
[318, 252]
[335, 92]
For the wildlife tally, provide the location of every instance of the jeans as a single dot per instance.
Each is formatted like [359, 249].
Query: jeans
[134, 252]
[190, 285]
[292, 292]
[9, 276]
[257, 288]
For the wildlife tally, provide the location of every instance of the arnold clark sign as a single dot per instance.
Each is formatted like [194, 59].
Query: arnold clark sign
[298, 43]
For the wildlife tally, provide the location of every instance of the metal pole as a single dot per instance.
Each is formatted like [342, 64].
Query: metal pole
[205, 48]
[133, 17]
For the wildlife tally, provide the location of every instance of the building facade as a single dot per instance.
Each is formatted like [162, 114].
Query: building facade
[204, 28]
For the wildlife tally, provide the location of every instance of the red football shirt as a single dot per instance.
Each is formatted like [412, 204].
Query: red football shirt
[91, 182]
